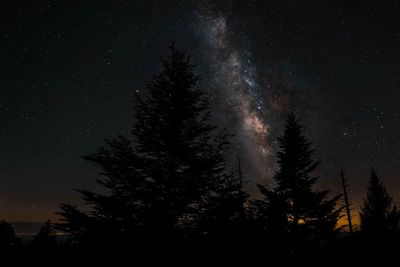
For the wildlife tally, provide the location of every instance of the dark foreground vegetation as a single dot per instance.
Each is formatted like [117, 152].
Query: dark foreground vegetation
[171, 198]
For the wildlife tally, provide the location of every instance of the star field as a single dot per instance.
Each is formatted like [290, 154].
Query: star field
[68, 71]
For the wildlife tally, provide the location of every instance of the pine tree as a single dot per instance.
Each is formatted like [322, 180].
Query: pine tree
[378, 214]
[224, 219]
[45, 240]
[300, 217]
[164, 177]
[9, 242]
[73, 222]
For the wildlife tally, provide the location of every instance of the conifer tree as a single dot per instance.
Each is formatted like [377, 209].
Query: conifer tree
[300, 216]
[378, 214]
[45, 240]
[168, 175]
[9, 242]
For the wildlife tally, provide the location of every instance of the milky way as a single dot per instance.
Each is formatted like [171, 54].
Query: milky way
[236, 81]
[68, 69]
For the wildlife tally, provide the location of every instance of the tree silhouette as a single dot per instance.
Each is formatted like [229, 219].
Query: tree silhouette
[224, 219]
[300, 217]
[167, 177]
[44, 241]
[378, 214]
[74, 222]
[8, 240]
[346, 199]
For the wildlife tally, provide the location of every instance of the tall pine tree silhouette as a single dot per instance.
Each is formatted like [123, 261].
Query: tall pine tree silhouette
[168, 176]
[300, 217]
[378, 215]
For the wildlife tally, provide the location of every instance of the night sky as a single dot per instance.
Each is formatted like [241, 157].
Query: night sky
[69, 69]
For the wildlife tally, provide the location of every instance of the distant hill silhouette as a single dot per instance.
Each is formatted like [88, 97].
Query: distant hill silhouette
[26, 228]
